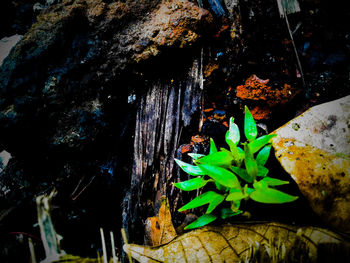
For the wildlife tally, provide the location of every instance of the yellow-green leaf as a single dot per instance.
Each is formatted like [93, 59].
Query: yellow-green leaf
[242, 173]
[188, 168]
[227, 212]
[191, 184]
[257, 144]
[273, 181]
[221, 175]
[250, 130]
[262, 171]
[217, 199]
[222, 158]
[195, 156]
[235, 195]
[250, 163]
[201, 221]
[200, 200]
[271, 196]
[263, 155]
[212, 148]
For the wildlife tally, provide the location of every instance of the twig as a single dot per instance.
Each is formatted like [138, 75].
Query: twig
[295, 49]
[82, 190]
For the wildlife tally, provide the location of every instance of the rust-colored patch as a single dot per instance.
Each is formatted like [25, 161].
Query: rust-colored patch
[185, 148]
[210, 68]
[222, 29]
[256, 89]
[208, 110]
[176, 23]
[197, 139]
[260, 113]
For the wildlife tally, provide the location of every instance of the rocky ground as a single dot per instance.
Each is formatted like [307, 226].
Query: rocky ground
[89, 81]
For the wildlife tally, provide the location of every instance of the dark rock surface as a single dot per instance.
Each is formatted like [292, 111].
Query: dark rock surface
[68, 109]
[71, 63]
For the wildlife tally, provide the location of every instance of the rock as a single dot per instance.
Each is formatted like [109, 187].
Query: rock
[65, 68]
[4, 159]
[6, 44]
[314, 149]
[67, 91]
[257, 90]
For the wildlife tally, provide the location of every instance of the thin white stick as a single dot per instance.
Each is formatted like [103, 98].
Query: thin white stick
[32, 251]
[103, 246]
[113, 247]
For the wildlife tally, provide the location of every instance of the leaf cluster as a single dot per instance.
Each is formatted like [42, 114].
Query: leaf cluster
[238, 174]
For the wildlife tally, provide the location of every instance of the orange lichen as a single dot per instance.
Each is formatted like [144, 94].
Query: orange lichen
[256, 89]
[222, 29]
[260, 113]
[208, 110]
[186, 148]
[197, 139]
[209, 69]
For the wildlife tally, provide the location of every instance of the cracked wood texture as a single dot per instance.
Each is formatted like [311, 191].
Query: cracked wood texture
[263, 242]
[164, 113]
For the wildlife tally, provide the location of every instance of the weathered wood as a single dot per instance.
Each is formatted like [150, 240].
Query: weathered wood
[163, 113]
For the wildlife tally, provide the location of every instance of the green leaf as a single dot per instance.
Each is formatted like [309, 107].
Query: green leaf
[222, 158]
[249, 190]
[257, 144]
[250, 163]
[271, 196]
[195, 156]
[235, 204]
[214, 203]
[221, 175]
[234, 152]
[242, 173]
[213, 148]
[274, 182]
[191, 184]
[232, 135]
[241, 152]
[201, 221]
[260, 185]
[235, 195]
[188, 168]
[262, 171]
[220, 187]
[241, 156]
[263, 155]
[250, 130]
[227, 212]
[200, 200]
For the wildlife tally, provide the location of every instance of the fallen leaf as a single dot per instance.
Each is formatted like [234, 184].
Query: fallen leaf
[248, 243]
[160, 229]
[314, 149]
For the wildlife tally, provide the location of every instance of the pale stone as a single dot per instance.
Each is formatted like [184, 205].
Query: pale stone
[6, 44]
[314, 149]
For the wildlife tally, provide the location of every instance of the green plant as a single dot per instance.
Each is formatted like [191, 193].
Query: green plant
[238, 174]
